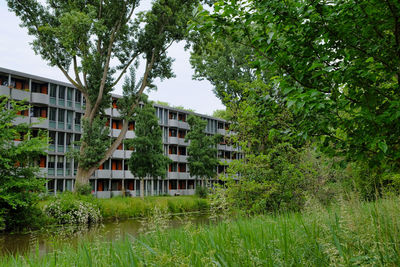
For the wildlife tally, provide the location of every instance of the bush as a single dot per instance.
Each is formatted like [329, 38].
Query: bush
[83, 189]
[70, 209]
[201, 191]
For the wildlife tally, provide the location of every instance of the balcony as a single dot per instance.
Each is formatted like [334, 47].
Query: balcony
[117, 174]
[128, 175]
[221, 131]
[116, 113]
[128, 154]
[103, 174]
[182, 142]
[130, 134]
[21, 119]
[173, 123]
[118, 154]
[183, 125]
[173, 175]
[221, 147]
[173, 140]
[108, 111]
[20, 94]
[4, 90]
[40, 98]
[173, 157]
[40, 123]
[184, 175]
[182, 158]
[103, 194]
[115, 132]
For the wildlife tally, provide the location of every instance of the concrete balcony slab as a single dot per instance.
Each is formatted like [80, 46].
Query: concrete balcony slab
[116, 113]
[118, 154]
[103, 174]
[173, 123]
[128, 175]
[42, 123]
[40, 98]
[173, 157]
[183, 125]
[108, 111]
[4, 90]
[21, 119]
[115, 132]
[173, 140]
[130, 134]
[117, 174]
[103, 194]
[20, 94]
[173, 175]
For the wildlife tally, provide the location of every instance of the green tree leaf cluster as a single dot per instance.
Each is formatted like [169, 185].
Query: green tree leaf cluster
[202, 151]
[335, 64]
[147, 159]
[19, 175]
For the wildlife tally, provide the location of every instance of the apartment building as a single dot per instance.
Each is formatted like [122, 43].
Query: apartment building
[58, 108]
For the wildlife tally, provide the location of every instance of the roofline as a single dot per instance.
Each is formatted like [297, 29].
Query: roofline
[40, 78]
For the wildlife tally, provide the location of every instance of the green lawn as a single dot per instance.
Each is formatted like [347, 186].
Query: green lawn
[352, 233]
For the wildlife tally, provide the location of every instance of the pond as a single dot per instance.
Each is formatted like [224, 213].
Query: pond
[46, 240]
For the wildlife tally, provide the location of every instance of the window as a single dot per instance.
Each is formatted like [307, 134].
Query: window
[69, 141]
[60, 165]
[173, 185]
[182, 117]
[173, 167]
[78, 96]
[173, 150]
[69, 119]
[3, 80]
[172, 132]
[60, 142]
[182, 167]
[131, 126]
[117, 124]
[220, 125]
[116, 164]
[181, 133]
[52, 140]
[70, 93]
[37, 112]
[182, 151]
[61, 118]
[172, 115]
[78, 118]
[61, 92]
[51, 164]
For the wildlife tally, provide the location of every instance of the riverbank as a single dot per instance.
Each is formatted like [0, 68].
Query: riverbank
[350, 233]
[119, 208]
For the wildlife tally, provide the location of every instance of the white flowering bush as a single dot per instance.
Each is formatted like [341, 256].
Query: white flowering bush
[67, 209]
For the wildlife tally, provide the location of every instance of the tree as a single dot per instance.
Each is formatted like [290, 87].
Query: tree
[221, 113]
[334, 63]
[147, 159]
[19, 182]
[98, 41]
[202, 151]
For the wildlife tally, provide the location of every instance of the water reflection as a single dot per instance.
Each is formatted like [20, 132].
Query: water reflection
[45, 241]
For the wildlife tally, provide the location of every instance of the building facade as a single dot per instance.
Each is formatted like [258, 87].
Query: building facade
[58, 108]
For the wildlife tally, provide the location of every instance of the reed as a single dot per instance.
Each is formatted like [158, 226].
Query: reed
[349, 233]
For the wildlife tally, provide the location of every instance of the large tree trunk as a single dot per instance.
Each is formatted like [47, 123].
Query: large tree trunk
[141, 188]
[83, 176]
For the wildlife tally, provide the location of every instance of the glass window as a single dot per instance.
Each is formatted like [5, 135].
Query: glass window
[78, 118]
[172, 132]
[69, 119]
[78, 96]
[70, 93]
[61, 92]
[61, 115]
[53, 114]
[53, 90]
[51, 162]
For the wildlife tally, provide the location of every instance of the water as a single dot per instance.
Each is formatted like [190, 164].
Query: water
[46, 240]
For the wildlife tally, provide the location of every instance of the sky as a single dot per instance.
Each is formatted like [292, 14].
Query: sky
[17, 54]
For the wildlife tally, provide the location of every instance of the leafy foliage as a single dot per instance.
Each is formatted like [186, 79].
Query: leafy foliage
[20, 184]
[148, 157]
[70, 209]
[202, 151]
[335, 65]
[201, 191]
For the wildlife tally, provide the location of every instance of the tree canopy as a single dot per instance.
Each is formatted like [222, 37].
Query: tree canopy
[147, 159]
[202, 151]
[94, 43]
[335, 64]
[19, 177]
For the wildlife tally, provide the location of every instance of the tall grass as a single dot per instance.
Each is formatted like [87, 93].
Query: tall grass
[122, 208]
[351, 233]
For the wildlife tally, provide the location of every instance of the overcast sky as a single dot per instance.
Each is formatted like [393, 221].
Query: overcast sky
[16, 54]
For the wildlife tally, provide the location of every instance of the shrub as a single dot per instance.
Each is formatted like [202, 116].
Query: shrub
[83, 189]
[201, 191]
[70, 209]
